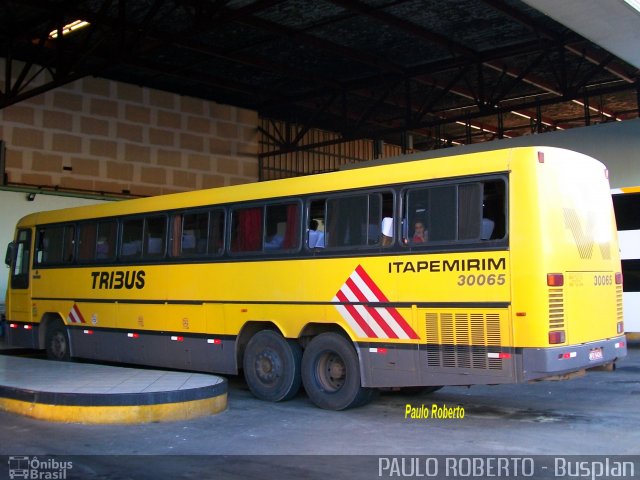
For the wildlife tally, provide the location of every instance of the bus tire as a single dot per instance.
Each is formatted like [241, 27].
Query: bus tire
[331, 373]
[271, 366]
[57, 342]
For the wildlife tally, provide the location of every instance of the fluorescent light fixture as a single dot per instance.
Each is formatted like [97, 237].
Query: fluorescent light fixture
[70, 27]
[635, 4]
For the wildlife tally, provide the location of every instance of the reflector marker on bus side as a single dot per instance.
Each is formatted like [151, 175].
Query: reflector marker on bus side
[619, 345]
[177, 338]
[214, 341]
[500, 355]
[75, 316]
[28, 327]
[380, 350]
[88, 332]
[566, 355]
[133, 335]
[366, 321]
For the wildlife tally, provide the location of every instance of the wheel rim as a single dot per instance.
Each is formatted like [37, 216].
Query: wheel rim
[268, 366]
[58, 345]
[331, 371]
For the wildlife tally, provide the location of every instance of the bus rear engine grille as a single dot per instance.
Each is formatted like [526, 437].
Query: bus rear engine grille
[463, 340]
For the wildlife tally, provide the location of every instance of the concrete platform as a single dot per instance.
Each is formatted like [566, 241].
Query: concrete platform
[89, 393]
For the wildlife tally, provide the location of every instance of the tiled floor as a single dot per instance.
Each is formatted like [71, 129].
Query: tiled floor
[83, 378]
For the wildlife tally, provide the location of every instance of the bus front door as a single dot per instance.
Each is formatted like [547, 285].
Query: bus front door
[18, 301]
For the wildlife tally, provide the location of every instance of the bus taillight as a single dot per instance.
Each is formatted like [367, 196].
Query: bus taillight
[618, 278]
[557, 336]
[555, 279]
[620, 327]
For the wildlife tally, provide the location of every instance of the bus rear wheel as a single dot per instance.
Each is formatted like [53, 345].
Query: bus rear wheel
[331, 373]
[57, 342]
[271, 366]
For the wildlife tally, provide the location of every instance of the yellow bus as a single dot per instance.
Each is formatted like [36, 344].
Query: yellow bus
[487, 268]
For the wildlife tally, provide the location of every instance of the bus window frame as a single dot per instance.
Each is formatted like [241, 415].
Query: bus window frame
[368, 192]
[162, 255]
[65, 226]
[195, 256]
[457, 244]
[264, 252]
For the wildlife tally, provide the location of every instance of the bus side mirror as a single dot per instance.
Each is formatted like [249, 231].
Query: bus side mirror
[10, 251]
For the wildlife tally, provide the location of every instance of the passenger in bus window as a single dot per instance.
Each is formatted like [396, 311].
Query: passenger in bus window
[487, 228]
[387, 231]
[102, 248]
[273, 240]
[316, 237]
[419, 233]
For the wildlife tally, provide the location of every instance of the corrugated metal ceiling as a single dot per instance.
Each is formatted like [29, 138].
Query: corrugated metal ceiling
[443, 70]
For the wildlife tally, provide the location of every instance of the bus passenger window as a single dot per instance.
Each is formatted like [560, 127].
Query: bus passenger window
[431, 215]
[131, 247]
[357, 220]
[191, 234]
[87, 236]
[50, 246]
[155, 229]
[106, 245]
[69, 243]
[494, 210]
[282, 227]
[469, 211]
[216, 232]
[347, 221]
[316, 232]
[246, 233]
[460, 212]
[415, 224]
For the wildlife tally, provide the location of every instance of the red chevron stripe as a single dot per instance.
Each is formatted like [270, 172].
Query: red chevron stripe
[372, 311]
[355, 315]
[381, 297]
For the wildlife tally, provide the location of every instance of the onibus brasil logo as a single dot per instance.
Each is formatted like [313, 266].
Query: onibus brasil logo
[38, 469]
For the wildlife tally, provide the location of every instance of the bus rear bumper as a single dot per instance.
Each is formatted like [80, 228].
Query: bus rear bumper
[20, 334]
[539, 363]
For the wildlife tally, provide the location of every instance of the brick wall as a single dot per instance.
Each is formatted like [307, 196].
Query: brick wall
[105, 136]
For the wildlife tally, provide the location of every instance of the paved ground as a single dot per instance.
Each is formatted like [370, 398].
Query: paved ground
[594, 415]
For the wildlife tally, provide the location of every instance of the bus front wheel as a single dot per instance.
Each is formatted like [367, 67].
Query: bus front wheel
[331, 373]
[271, 366]
[57, 342]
